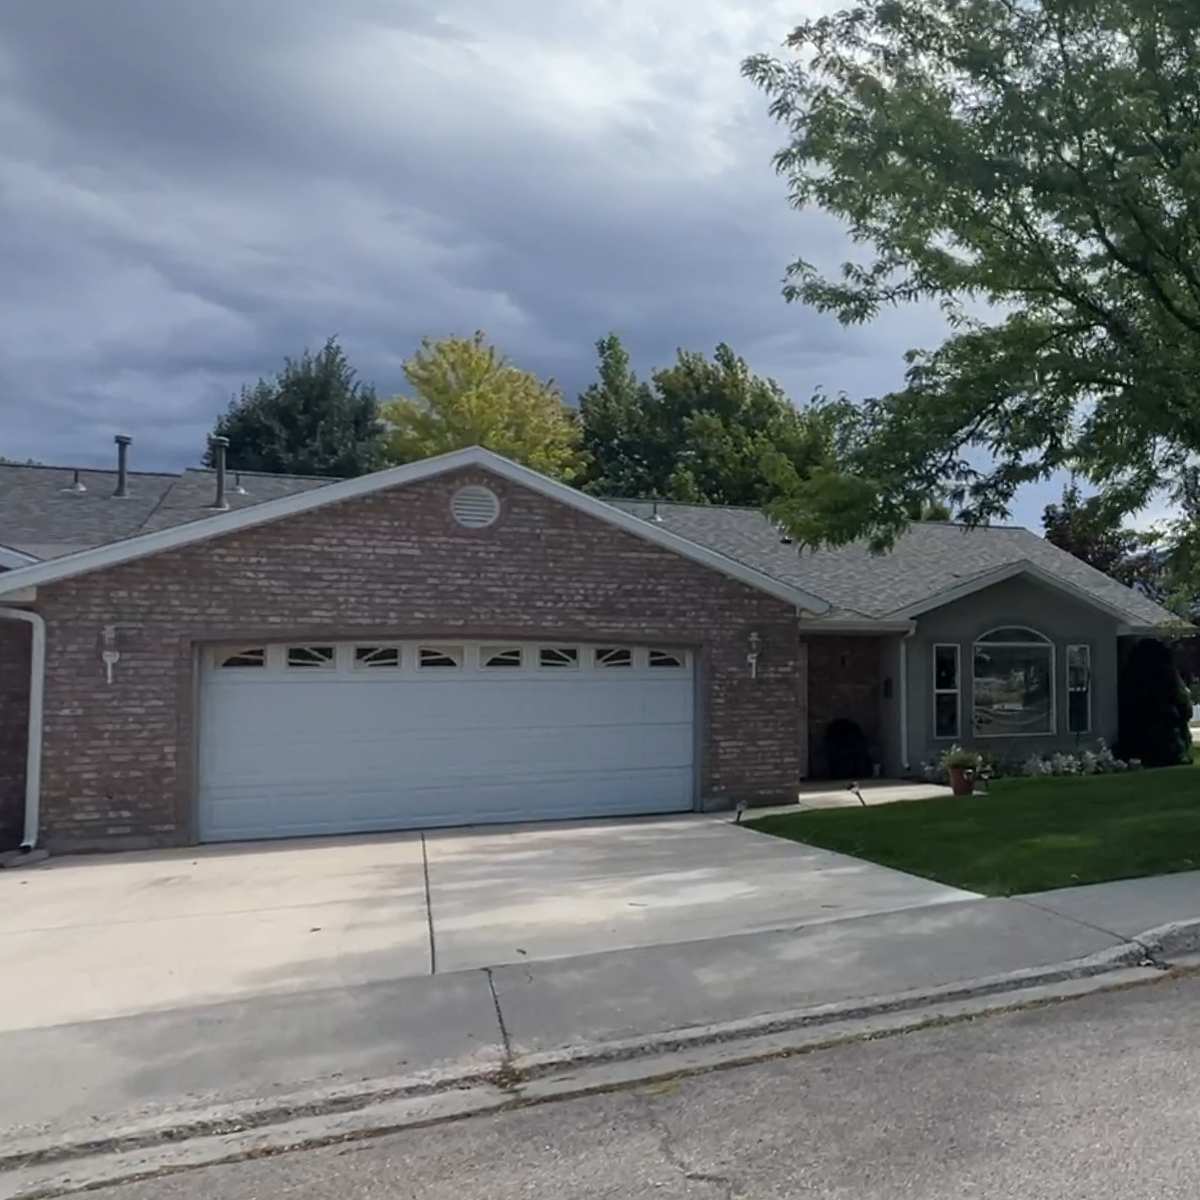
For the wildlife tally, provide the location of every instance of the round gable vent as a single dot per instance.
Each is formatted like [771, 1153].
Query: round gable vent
[475, 506]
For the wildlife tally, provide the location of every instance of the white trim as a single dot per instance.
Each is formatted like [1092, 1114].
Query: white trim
[1086, 647]
[348, 489]
[956, 691]
[1046, 645]
[12, 560]
[33, 742]
[986, 579]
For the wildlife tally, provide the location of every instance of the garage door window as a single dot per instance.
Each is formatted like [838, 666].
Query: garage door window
[613, 656]
[372, 657]
[311, 657]
[500, 657]
[666, 658]
[440, 658]
[558, 656]
[255, 656]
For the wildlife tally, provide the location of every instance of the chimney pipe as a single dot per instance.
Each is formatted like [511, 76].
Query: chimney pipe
[123, 442]
[219, 446]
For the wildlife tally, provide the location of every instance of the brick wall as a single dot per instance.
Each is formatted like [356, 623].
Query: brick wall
[843, 681]
[119, 759]
[14, 727]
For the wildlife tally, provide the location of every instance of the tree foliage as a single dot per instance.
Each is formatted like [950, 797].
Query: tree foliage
[465, 393]
[1038, 163]
[1093, 529]
[702, 430]
[312, 418]
[1154, 707]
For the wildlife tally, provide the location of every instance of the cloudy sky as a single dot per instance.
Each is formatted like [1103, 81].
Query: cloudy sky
[192, 189]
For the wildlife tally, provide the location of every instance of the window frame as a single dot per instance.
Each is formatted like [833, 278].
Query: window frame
[490, 651]
[955, 691]
[362, 664]
[453, 651]
[567, 650]
[1036, 641]
[612, 664]
[1086, 689]
[679, 656]
[329, 664]
[223, 654]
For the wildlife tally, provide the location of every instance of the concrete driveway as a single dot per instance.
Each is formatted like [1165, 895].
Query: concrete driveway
[93, 938]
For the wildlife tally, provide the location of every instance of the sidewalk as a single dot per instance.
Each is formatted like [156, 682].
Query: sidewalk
[161, 1066]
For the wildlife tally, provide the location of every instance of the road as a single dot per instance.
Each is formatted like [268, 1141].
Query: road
[1095, 1097]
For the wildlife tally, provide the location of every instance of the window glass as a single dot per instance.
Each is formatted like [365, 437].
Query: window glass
[558, 656]
[500, 656]
[1013, 690]
[665, 658]
[945, 692]
[614, 656]
[1079, 689]
[255, 656]
[440, 657]
[310, 656]
[376, 656]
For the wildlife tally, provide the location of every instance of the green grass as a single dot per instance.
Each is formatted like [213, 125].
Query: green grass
[1028, 835]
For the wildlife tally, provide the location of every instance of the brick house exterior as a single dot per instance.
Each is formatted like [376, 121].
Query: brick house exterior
[779, 642]
[119, 759]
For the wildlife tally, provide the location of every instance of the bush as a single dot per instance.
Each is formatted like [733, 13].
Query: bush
[1154, 707]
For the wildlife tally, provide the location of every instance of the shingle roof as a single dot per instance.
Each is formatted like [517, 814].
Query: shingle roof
[42, 514]
[930, 558]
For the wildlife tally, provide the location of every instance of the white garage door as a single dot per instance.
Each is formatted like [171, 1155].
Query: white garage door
[333, 738]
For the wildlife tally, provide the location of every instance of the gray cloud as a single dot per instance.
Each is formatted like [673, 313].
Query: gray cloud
[188, 192]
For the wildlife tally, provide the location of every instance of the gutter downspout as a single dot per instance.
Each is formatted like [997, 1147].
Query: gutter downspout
[905, 765]
[37, 691]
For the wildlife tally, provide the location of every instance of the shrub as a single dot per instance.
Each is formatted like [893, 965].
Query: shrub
[1154, 707]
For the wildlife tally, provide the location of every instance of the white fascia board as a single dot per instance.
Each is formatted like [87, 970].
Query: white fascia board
[12, 560]
[987, 579]
[204, 528]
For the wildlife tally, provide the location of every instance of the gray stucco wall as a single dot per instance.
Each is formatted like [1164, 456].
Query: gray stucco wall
[1014, 602]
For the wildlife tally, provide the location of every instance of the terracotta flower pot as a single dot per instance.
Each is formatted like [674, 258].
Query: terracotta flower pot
[962, 781]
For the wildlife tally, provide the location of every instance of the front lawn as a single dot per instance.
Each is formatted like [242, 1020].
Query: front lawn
[1028, 835]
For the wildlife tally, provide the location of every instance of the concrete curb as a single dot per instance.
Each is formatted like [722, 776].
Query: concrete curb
[45, 1166]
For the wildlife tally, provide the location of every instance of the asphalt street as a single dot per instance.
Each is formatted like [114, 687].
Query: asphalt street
[1095, 1097]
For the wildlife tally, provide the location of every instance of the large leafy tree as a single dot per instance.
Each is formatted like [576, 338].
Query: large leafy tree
[1032, 167]
[313, 418]
[1091, 529]
[465, 393]
[701, 430]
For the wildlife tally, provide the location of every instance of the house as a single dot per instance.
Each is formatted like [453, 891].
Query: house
[189, 658]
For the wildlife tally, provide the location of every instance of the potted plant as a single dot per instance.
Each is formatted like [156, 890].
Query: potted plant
[962, 766]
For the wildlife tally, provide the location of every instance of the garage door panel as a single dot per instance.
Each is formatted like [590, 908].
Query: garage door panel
[321, 751]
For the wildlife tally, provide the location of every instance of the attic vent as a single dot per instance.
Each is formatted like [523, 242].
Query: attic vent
[475, 506]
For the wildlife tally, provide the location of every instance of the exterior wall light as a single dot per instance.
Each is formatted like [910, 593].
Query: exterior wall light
[109, 654]
[755, 644]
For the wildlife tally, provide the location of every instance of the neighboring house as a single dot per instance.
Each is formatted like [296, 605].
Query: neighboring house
[462, 640]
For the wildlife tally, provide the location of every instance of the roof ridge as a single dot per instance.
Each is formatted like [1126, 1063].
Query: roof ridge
[90, 470]
[202, 470]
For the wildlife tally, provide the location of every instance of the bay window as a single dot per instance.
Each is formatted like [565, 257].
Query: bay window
[1013, 694]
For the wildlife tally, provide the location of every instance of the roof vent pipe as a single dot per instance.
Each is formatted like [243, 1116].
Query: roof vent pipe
[123, 442]
[219, 446]
[76, 487]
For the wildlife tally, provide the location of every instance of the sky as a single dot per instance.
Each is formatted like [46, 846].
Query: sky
[190, 191]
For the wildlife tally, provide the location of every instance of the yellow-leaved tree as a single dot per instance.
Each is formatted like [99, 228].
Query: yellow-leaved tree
[465, 393]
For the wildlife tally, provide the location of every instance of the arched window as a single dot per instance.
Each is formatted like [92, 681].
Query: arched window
[1013, 674]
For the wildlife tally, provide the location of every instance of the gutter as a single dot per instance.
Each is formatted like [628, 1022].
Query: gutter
[37, 690]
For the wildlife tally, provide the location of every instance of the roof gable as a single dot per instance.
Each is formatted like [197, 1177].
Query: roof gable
[157, 541]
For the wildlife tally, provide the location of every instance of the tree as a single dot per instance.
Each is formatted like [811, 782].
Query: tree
[467, 394]
[1153, 707]
[1093, 530]
[704, 431]
[1037, 163]
[313, 418]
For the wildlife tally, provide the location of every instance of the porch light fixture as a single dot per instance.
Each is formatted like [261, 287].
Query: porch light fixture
[755, 643]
